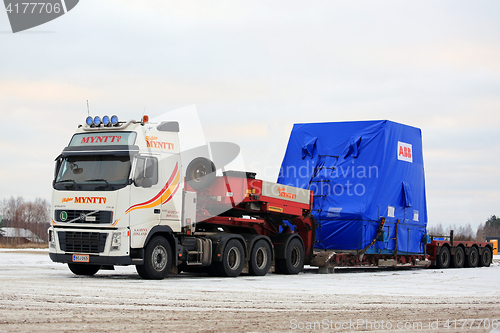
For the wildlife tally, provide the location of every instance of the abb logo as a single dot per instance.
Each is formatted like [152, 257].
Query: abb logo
[405, 152]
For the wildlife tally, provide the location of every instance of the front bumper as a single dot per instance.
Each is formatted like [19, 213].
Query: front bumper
[96, 260]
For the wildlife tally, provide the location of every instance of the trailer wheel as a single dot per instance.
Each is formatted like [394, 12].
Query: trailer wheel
[457, 261]
[294, 261]
[473, 258]
[80, 269]
[443, 259]
[157, 259]
[232, 260]
[200, 173]
[260, 258]
[485, 259]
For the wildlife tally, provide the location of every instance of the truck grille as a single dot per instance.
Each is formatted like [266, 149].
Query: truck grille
[82, 242]
[101, 217]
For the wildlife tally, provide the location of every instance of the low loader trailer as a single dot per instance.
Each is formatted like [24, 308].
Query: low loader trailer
[123, 195]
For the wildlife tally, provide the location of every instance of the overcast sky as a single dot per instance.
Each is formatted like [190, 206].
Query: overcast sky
[254, 68]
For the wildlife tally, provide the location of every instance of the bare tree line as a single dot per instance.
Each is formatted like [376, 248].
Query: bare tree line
[491, 228]
[21, 214]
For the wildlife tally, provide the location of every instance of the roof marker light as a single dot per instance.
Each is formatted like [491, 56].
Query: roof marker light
[97, 120]
[105, 120]
[114, 120]
[89, 120]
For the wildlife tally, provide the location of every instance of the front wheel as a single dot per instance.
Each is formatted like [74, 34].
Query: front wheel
[80, 269]
[157, 259]
[294, 261]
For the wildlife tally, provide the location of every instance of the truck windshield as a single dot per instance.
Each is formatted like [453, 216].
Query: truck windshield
[93, 172]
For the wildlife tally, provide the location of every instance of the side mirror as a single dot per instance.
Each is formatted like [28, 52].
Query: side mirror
[58, 160]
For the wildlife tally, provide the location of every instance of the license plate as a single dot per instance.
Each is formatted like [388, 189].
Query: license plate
[81, 258]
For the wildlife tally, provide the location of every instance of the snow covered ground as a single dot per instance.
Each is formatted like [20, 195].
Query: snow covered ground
[39, 295]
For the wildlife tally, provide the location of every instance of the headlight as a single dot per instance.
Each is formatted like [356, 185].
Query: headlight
[116, 241]
[52, 239]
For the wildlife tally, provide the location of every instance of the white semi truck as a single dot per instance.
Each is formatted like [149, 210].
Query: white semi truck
[119, 198]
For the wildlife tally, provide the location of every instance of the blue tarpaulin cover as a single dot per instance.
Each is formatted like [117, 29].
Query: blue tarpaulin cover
[359, 172]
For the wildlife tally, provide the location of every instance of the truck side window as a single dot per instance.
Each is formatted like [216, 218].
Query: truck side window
[146, 171]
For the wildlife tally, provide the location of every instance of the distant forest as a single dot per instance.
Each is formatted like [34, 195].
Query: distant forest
[22, 214]
[490, 228]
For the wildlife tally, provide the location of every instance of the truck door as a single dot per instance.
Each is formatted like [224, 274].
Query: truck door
[145, 198]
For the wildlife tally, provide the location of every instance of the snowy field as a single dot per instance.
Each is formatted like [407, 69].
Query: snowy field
[37, 295]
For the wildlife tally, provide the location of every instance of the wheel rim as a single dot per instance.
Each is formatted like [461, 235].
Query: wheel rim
[444, 257]
[486, 257]
[159, 258]
[473, 257]
[261, 257]
[295, 257]
[233, 258]
[460, 257]
[198, 172]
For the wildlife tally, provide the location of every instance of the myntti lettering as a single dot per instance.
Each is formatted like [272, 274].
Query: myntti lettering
[151, 142]
[101, 139]
[405, 152]
[282, 193]
[90, 200]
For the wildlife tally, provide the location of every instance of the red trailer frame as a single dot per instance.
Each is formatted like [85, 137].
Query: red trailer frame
[237, 200]
[458, 254]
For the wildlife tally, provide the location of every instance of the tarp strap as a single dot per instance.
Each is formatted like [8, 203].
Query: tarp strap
[380, 230]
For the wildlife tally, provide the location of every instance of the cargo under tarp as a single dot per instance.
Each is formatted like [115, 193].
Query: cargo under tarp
[361, 172]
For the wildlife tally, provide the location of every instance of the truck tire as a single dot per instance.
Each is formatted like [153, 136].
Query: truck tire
[200, 173]
[80, 269]
[457, 261]
[294, 261]
[157, 259]
[260, 258]
[473, 258]
[485, 259]
[233, 260]
[443, 258]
